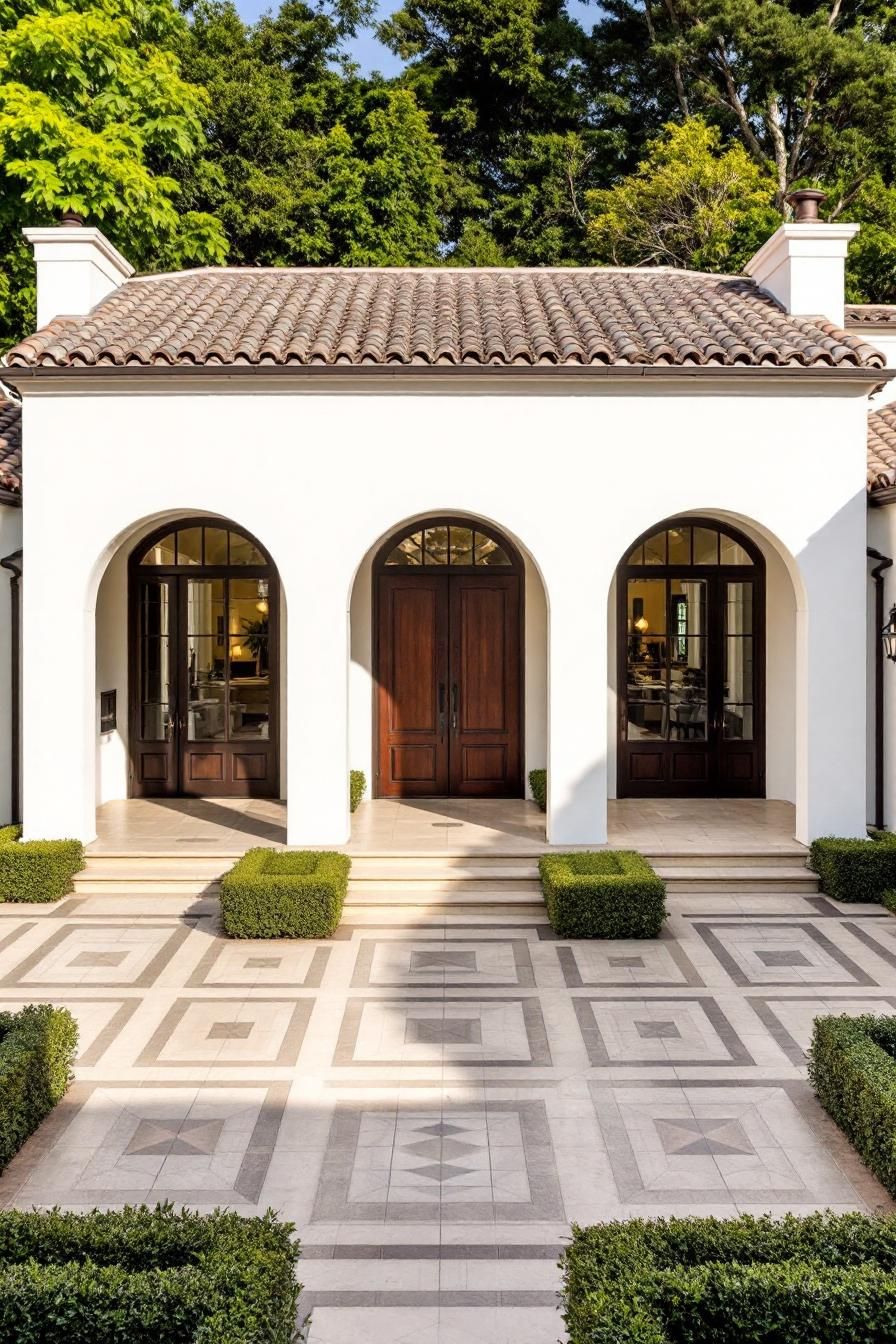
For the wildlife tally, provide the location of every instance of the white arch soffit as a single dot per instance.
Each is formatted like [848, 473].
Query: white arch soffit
[134, 532]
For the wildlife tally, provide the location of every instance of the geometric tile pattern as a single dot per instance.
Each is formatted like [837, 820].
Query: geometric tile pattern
[433, 1098]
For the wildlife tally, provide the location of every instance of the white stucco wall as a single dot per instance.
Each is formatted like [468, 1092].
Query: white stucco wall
[10, 540]
[571, 470]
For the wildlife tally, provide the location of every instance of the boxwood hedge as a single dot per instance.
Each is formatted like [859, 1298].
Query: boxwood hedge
[37, 1049]
[272, 893]
[37, 870]
[357, 783]
[538, 783]
[855, 870]
[146, 1276]
[603, 894]
[853, 1070]
[823, 1279]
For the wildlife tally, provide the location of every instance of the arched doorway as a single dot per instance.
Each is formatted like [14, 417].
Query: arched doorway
[204, 605]
[447, 639]
[691, 622]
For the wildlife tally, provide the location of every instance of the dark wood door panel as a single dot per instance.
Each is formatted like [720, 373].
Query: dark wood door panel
[485, 686]
[412, 687]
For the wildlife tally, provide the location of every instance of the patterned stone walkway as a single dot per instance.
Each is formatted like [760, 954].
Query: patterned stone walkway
[434, 1101]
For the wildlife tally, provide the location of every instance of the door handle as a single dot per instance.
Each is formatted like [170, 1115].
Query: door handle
[442, 710]
[454, 708]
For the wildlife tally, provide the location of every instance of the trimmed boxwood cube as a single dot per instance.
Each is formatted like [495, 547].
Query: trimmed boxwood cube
[855, 870]
[538, 783]
[852, 1066]
[273, 893]
[37, 870]
[357, 783]
[823, 1279]
[147, 1276]
[610, 893]
[37, 1050]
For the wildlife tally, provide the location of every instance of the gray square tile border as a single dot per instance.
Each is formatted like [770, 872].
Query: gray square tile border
[179, 932]
[589, 1024]
[287, 1054]
[707, 932]
[98, 1047]
[533, 1020]
[525, 976]
[691, 978]
[761, 1005]
[332, 1205]
[199, 977]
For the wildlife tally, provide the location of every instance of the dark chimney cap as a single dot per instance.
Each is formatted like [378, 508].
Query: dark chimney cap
[805, 204]
[72, 220]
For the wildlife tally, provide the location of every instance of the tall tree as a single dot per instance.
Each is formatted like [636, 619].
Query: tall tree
[809, 88]
[94, 115]
[307, 163]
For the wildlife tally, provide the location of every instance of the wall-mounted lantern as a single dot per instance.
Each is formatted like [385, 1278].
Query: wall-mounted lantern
[888, 635]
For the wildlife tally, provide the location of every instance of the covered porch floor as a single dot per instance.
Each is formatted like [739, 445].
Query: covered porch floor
[447, 826]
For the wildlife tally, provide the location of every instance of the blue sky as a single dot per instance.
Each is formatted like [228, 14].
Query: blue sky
[369, 53]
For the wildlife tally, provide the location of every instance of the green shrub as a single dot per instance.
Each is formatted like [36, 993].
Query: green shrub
[272, 893]
[37, 1049]
[37, 870]
[604, 894]
[146, 1276]
[855, 870]
[357, 784]
[538, 783]
[853, 1070]
[823, 1279]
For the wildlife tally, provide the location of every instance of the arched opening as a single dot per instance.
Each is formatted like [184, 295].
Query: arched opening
[448, 617]
[691, 624]
[203, 626]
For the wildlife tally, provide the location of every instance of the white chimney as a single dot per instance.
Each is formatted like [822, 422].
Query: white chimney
[802, 264]
[76, 268]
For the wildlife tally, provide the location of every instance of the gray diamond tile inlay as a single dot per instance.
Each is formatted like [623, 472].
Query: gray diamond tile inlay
[636, 963]
[704, 1138]
[262, 963]
[657, 1031]
[771, 957]
[440, 1129]
[440, 1148]
[443, 961]
[229, 1031]
[94, 959]
[443, 1031]
[440, 1171]
[154, 1138]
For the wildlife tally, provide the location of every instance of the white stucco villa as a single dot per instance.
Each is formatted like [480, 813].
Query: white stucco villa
[447, 526]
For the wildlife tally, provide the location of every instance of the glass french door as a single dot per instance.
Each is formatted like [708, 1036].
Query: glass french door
[205, 693]
[691, 695]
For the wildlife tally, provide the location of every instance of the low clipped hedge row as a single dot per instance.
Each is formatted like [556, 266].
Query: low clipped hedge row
[357, 784]
[37, 870]
[538, 783]
[146, 1276]
[852, 1066]
[272, 893]
[603, 894]
[822, 1279]
[855, 870]
[37, 1050]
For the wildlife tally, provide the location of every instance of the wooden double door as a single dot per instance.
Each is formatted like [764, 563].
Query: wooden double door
[448, 685]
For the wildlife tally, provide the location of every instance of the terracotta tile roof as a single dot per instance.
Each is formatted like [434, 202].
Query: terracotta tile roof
[870, 314]
[10, 447]
[882, 448]
[441, 317]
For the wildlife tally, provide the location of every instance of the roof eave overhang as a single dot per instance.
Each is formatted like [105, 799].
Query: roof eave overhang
[884, 494]
[11, 497]
[29, 377]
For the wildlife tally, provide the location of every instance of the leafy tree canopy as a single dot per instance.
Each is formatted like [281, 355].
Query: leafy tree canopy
[95, 116]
